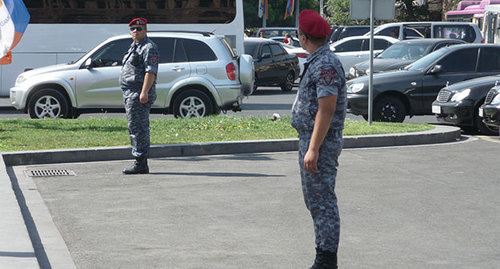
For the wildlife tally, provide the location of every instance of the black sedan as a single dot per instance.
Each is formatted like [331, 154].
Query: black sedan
[412, 90]
[402, 54]
[490, 110]
[458, 104]
[273, 65]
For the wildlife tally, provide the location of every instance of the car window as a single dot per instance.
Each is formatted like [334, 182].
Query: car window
[463, 60]
[179, 52]
[406, 51]
[198, 51]
[351, 45]
[250, 48]
[166, 48]
[464, 32]
[277, 50]
[379, 44]
[336, 34]
[390, 31]
[489, 60]
[424, 62]
[411, 33]
[111, 54]
[266, 49]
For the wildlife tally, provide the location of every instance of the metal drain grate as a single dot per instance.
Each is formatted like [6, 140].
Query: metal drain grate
[50, 173]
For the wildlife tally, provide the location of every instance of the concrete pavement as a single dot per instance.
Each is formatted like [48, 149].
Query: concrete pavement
[428, 206]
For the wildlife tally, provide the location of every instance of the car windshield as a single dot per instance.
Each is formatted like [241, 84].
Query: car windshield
[425, 61]
[404, 50]
[250, 47]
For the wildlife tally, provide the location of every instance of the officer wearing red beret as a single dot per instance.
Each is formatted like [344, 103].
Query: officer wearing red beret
[318, 115]
[137, 80]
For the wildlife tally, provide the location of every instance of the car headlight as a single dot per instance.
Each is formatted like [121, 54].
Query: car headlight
[496, 100]
[459, 96]
[355, 87]
[352, 72]
[20, 79]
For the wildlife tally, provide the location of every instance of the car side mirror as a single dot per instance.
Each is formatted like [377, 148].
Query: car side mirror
[436, 69]
[88, 63]
[265, 55]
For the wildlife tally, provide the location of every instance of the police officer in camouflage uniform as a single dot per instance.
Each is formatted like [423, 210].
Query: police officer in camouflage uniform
[137, 80]
[318, 115]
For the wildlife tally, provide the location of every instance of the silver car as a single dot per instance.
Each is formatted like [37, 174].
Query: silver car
[196, 70]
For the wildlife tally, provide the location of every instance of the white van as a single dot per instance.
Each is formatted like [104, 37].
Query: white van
[466, 31]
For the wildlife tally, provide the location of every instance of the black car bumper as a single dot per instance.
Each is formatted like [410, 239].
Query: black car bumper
[460, 114]
[357, 104]
[491, 114]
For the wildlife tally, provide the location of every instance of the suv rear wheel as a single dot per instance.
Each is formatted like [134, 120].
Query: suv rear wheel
[48, 103]
[192, 103]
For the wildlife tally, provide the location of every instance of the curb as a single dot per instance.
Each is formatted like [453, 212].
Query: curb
[440, 134]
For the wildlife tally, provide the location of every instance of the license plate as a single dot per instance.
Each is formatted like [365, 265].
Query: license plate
[481, 113]
[436, 109]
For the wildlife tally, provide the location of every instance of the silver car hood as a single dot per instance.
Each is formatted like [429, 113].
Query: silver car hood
[49, 69]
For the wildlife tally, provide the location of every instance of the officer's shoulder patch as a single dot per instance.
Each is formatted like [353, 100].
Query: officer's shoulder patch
[153, 59]
[328, 76]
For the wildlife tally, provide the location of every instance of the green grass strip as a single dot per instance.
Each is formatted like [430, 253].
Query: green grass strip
[27, 134]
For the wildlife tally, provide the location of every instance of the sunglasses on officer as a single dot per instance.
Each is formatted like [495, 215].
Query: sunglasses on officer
[138, 28]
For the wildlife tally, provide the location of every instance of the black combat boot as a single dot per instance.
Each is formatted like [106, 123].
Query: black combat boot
[325, 260]
[140, 167]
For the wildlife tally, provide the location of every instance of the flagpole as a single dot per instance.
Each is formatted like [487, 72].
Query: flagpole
[297, 11]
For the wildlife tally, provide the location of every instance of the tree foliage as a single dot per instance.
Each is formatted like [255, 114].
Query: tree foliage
[276, 13]
[337, 12]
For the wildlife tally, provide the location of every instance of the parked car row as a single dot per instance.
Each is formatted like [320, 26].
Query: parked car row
[412, 91]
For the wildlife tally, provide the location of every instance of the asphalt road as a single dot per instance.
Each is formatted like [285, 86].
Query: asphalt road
[433, 206]
[265, 102]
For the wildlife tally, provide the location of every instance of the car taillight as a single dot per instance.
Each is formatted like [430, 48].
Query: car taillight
[231, 71]
[301, 55]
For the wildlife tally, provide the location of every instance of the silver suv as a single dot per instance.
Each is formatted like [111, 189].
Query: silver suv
[198, 75]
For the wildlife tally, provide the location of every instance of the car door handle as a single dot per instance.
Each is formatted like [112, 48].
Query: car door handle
[177, 68]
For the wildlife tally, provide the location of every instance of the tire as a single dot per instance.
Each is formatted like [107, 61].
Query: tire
[288, 84]
[483, 128]
[48, 103]
[254, 89]
[389, 109]
[192, 103]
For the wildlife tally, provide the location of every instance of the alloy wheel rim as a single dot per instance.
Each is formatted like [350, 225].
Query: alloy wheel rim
[47, 107]
[192, 106]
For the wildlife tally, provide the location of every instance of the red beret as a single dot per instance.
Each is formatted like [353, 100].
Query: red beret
[311, 23]
[139, 21]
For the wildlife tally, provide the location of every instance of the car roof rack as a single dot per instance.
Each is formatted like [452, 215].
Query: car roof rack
[182, 31]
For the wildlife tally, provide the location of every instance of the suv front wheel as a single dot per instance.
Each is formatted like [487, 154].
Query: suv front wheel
[48, 103]
[192, 103]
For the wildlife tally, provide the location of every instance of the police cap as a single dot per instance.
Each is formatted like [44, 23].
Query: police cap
[311, 23]
[138, 21]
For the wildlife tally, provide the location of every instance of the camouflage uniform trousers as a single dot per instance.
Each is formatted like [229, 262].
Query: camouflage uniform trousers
[138, 124]
[319, 189]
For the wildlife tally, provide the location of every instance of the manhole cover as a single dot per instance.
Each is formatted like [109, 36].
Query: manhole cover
[50, 173]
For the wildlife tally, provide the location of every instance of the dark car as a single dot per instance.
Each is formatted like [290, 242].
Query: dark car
[459, 103]
[412, 90]
[273, 65]
[401, 54]
[490, 110]
[339, 32]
